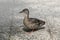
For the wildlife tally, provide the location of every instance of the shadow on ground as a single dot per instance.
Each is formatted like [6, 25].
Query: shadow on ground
[29, 30]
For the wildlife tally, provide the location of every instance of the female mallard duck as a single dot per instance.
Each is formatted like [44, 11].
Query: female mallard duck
[31, 23]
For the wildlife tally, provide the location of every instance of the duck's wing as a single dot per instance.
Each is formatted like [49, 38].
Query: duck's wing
[37, 21]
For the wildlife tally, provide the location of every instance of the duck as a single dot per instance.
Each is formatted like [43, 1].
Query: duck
[31, 23]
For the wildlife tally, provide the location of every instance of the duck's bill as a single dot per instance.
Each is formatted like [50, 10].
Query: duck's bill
[20, 11]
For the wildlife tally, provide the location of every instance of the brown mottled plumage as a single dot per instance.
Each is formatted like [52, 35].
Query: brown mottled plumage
[31, 23]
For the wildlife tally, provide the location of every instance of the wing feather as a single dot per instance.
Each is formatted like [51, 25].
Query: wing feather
[34, 20]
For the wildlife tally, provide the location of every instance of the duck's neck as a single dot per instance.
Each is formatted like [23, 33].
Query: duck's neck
[26, 16]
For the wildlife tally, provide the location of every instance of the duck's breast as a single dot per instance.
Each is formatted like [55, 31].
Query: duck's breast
[29, 24]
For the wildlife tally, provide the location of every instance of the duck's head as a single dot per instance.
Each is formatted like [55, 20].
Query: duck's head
[25, 11]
